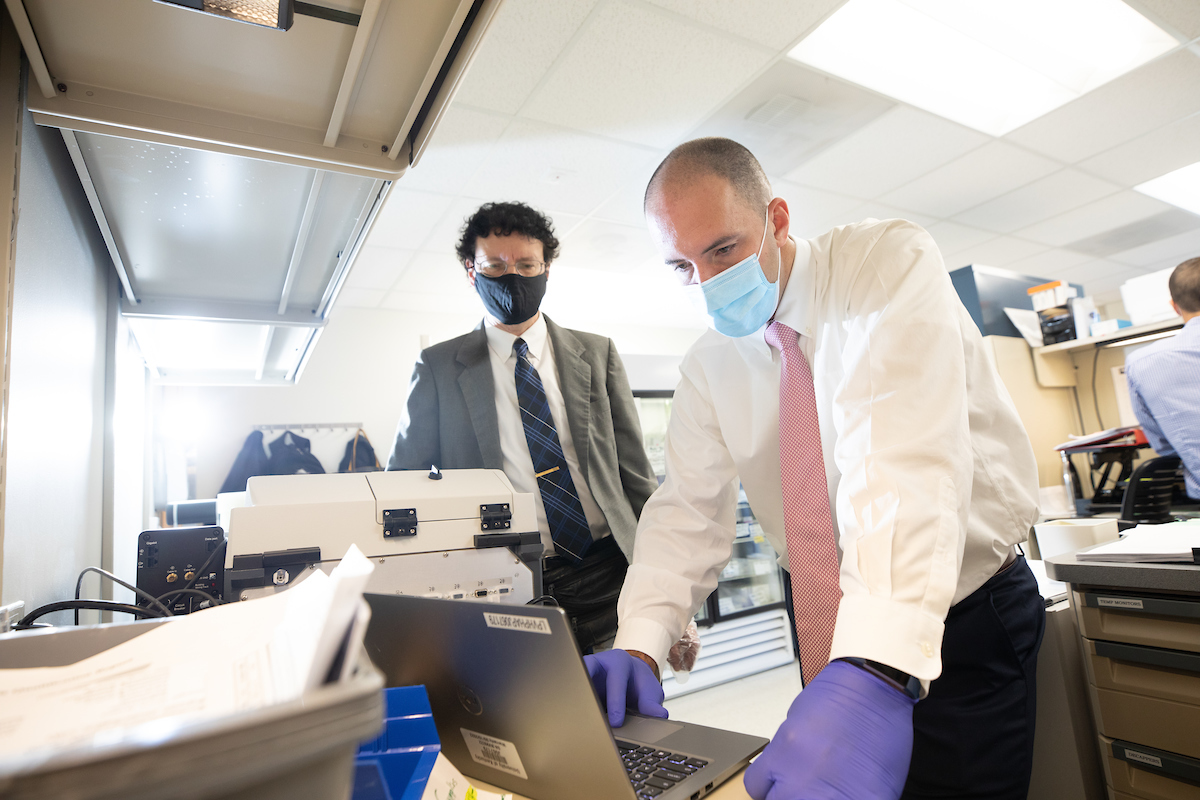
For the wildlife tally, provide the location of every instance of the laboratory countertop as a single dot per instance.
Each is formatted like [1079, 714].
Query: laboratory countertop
[732, 789]
[1153, 577]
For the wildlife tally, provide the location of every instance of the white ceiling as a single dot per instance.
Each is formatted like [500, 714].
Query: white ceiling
[570, 104]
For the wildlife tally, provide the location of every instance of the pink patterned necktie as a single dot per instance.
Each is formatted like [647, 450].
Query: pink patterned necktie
[812, 551]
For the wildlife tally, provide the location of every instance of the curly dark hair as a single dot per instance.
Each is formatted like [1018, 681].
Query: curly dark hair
[503, 219]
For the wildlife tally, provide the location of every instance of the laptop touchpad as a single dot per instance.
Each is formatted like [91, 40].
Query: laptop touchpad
[646, 729]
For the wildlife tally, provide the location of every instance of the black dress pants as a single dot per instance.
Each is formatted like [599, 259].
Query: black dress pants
[973, 733]
[588, 591]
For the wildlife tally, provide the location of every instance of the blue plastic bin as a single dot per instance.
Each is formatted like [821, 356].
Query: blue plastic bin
[396, 765]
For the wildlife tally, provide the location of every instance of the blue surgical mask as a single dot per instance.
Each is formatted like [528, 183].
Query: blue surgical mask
[741, 300]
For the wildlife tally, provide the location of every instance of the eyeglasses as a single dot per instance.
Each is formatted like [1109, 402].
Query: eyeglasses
[527, 269]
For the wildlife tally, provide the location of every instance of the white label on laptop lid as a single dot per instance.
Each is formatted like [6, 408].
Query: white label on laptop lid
[495, 753]
[516, 622]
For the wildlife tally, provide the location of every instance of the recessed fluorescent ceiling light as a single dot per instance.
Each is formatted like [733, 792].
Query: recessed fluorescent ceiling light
[267, 13]
[992, 65]
[1179, 188]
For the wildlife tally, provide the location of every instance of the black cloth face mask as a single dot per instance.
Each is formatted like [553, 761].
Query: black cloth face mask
[511, 298]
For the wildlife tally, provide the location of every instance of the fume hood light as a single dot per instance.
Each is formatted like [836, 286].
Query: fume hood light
[267, 13]
[1179, 188]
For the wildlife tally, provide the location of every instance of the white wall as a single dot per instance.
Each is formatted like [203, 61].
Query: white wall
[53, 511]
[358, 373]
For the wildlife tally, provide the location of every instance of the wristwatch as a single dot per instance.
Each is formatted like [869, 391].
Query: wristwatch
[900, 680]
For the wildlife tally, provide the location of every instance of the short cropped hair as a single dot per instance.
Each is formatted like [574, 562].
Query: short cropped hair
[714, 155]
[1184, 284]
[502, 219]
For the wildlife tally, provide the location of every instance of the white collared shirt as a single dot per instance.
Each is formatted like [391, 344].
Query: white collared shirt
[518, 464]
[931, 476]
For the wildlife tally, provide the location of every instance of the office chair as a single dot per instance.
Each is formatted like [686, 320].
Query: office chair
[1148, 496]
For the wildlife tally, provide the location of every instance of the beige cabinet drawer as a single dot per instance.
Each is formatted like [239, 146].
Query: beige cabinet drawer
[1147, 671]
[1134, 771]
[1152, 620]
[1164, 724]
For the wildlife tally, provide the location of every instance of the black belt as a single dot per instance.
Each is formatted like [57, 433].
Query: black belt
[600, 549]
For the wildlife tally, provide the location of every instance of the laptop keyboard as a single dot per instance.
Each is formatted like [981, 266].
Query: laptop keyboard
[652, 771]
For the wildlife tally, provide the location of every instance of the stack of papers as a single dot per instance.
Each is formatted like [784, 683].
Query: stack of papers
[218, 662]
[1169, 543]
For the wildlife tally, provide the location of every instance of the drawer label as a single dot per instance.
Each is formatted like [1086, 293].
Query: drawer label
[1119, 602]
[1134, 755]
[516, 622]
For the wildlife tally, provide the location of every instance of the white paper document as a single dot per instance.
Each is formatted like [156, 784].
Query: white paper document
[447, 783]
[1168, 543]
[1049, 588]
[220, 661]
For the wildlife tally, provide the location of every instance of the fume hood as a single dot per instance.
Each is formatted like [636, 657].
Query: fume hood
[234, 170]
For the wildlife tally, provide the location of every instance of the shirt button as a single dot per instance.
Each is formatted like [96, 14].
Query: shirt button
[927, 649]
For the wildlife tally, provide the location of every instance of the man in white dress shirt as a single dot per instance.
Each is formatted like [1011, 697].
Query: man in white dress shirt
[931, 483]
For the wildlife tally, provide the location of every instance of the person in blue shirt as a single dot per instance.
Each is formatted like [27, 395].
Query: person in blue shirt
[1164, 380]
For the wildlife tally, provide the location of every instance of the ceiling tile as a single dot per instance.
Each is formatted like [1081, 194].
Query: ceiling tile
[881, 211]
[406, 218]
[608, 247]
[350, 297]
[791, 112]
[813, 211]
[522, 43]
[462, 142]
[1140, 101]
[377, 267]
[642, 75]
[1099, 275]
[775, 23]
[1162, 254]
[952, 238]
[1111, 212]
[1048, 263]
[554, 169]
[980, 175]
[1040, 200]
[466, 302]
[1172, 222]
[896, 148]
[1163, 150]
[998, 252]
[1177, 17]
[625, 205]
[434, 273]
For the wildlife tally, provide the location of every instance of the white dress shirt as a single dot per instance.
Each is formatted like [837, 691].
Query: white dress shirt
[932, 478]
[518, 464]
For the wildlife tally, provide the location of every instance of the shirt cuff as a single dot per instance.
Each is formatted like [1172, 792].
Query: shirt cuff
[646, 636]
[891, 633]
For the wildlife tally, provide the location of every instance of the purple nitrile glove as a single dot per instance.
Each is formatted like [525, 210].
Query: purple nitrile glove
[847, 736]
[621, 679]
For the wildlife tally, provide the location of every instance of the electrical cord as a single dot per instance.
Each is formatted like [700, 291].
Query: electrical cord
[105, 573]
[87, 605]
[198, 592]
[1095, 399]
[543, 600]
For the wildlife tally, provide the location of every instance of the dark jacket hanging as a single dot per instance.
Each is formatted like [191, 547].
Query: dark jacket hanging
[251, 461]
[291, 454]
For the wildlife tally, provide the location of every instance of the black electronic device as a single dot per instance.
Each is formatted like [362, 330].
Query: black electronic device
[172, 559]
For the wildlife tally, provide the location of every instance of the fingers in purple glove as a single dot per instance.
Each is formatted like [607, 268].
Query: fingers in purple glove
[847, 735]
[621, 681]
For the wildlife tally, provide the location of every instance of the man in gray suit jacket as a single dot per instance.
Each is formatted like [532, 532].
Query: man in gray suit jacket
[550, 406]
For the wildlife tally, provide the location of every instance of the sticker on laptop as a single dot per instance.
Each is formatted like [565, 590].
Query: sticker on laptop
[516, 622]
[495, 753]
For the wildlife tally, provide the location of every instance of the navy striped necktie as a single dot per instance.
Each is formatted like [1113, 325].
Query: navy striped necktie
[564, 514]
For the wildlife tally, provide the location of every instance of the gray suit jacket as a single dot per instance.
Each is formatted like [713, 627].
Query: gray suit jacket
[450, 419]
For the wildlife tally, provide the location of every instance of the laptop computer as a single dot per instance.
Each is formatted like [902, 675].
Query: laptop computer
[514, 706]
